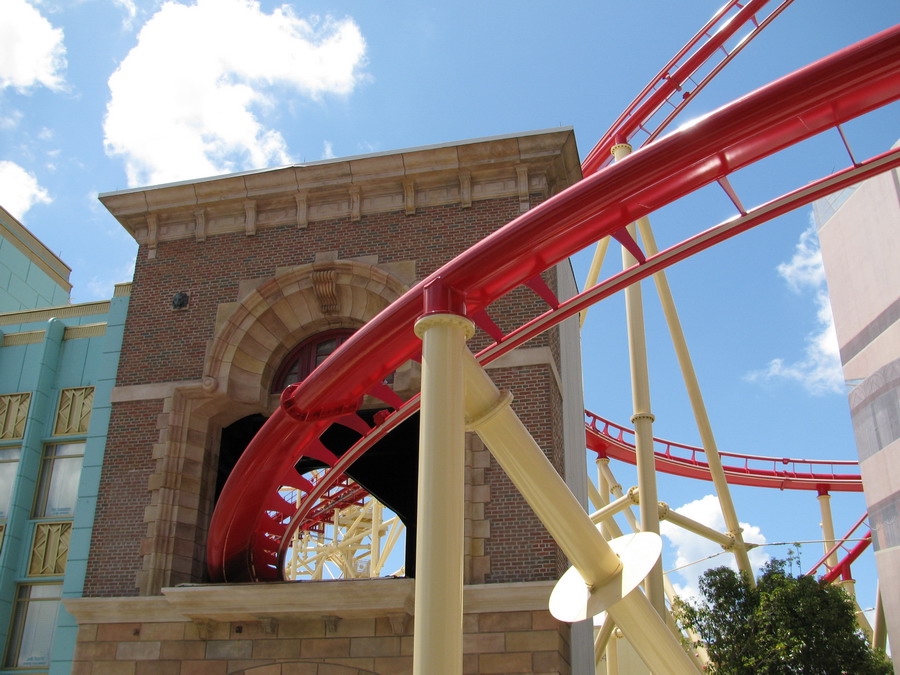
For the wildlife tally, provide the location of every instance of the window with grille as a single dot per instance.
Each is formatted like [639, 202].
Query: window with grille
[58, 487]
[9, 465]
[304, 358]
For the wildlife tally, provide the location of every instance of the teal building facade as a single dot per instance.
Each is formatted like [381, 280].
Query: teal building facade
[57, 368]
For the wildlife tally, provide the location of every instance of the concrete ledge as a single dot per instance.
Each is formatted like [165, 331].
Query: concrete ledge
[150, 392]
[355, 598]
[122, 610]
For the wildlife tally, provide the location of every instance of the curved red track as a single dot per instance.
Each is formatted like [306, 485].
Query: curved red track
[609, 439]
[251, 520]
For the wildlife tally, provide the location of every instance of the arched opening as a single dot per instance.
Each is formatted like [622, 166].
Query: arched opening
[388, 471]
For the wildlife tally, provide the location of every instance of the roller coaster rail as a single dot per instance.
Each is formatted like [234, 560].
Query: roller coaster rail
[253, 522]
[609, 439]
[245, 536]
[671, 86]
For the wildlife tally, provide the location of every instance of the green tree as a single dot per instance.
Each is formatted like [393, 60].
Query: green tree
[786, 624]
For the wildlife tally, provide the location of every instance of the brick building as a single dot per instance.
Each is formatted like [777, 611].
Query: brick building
[233, 275]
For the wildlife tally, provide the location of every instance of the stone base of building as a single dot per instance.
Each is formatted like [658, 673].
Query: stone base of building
[310, 628]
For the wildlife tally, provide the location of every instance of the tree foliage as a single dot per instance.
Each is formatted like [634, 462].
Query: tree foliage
[786, 624]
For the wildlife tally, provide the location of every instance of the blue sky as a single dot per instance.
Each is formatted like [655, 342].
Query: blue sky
[101, 95]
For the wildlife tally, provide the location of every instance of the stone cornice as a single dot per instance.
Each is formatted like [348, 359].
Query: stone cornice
[26, 316]
[542, 162]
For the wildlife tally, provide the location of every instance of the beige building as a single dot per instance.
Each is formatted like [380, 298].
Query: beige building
[859, 230]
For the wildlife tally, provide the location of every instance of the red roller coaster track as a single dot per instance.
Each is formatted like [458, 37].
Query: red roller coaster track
[614, 441]
[609, 439]
[252, 522]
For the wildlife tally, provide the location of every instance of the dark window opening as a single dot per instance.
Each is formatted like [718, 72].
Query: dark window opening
[388, 471]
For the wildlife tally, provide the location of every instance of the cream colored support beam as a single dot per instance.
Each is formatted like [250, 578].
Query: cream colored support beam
[594, 271]
[879, 634]
[698, 406]
[599, 498]
[849, 586]
[602, 643]
[612, 653]
[395, 528]
[827, 527]
[642, 419]
[609, 528]
[619, 505]
[700, 652]
[601, 576]
[726, 541]
[863, 622]
[375, 548]
[437, 637]
[616, 490]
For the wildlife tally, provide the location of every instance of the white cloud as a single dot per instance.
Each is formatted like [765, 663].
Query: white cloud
[130, 9]
[190, 98]
[31, 50]
[19, 189]
[691, 547]
[327, 150]
[11, 120]
[819, 371]
[804, 270]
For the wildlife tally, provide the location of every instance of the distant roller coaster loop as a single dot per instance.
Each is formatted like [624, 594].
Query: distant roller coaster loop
[251, 521]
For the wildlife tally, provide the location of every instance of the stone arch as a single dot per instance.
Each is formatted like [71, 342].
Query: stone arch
[273, 318]
[252, 337]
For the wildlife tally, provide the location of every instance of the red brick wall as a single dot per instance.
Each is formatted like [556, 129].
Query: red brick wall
[119, 526]
[519, 547]
[161, 345]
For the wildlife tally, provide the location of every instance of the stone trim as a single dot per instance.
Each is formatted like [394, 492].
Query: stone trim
[88, 330]
[153, 609]
[477, 526]
[407, 180]
[344, 599]
[255, 334]
[122, 290]
[150, 392]
[61, 312]
[31, 337]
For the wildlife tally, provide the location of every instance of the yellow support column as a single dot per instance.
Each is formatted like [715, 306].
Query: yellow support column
[437, 640]
[701, 417]
[603, 576]
[642, 418]
[827, 526]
